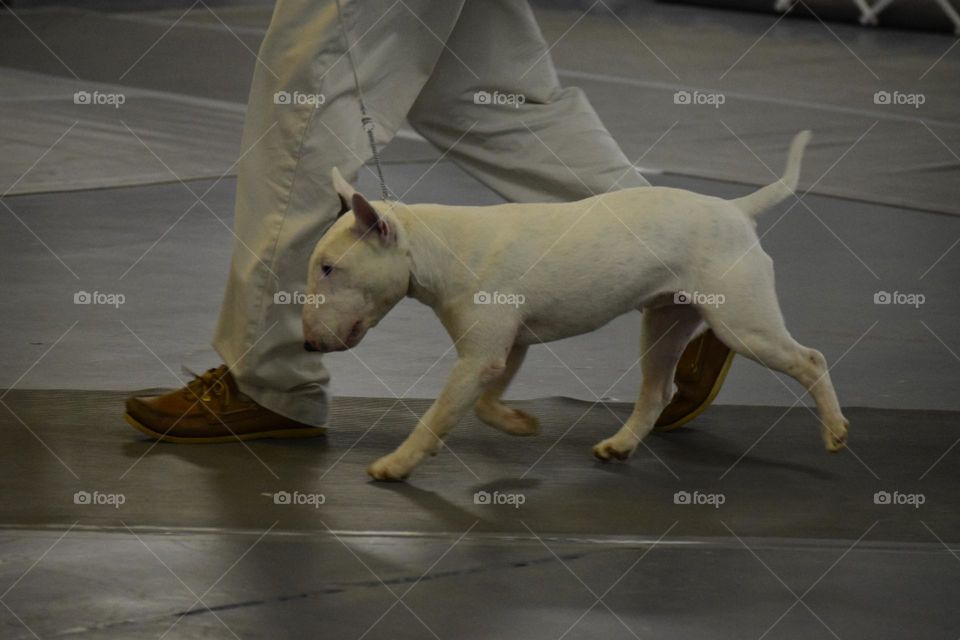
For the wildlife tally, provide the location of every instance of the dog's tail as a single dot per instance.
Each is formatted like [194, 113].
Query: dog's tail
[762, 199]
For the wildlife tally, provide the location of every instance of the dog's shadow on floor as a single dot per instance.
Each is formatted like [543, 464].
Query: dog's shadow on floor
[508, 485]
[453, 514]
[694, 448]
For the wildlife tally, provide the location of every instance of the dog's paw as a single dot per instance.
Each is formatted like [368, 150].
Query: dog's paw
[610, 449]
[512, 421]
[390, 468]
[520, 423]
[835, 436]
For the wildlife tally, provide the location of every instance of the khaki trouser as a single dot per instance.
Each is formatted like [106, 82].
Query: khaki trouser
[419, 60]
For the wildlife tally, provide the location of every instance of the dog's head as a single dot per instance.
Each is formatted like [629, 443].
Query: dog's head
[358, 272]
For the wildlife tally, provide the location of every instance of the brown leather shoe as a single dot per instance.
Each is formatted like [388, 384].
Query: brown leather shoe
[700, 374]
[211, 409]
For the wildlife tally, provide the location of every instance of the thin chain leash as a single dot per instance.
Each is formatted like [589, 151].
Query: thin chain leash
[365, 120]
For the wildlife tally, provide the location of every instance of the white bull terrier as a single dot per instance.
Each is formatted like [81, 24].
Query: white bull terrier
[503, 277]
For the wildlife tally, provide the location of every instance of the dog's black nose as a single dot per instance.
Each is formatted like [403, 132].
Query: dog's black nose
[309, 347]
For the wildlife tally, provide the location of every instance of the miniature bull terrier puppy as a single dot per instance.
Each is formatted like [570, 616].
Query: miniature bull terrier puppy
[503, 277]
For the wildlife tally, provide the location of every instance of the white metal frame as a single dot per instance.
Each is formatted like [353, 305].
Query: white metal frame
[869, 14]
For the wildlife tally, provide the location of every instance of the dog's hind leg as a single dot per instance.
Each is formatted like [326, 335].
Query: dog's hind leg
[749, 321]
[664, 334]
[491, 409]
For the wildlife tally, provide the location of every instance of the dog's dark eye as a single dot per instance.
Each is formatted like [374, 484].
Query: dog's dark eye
[327, 269]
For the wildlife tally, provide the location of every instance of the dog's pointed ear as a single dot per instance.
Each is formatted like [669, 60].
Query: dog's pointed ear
[344, 190]
[368, 220]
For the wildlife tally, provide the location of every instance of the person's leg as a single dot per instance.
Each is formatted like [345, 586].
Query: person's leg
[285, 199]
[550, 146]
[544, 142]
[302, 120]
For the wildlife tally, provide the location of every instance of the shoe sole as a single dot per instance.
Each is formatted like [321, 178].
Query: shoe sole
[714, 390]
[300, 432]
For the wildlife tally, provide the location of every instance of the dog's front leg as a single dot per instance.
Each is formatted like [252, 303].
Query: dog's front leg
[463, 388]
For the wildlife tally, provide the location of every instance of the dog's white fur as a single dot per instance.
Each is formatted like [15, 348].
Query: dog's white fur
[575, 266]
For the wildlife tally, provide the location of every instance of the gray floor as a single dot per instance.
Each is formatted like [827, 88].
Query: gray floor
[194, 80]
[799, 547]
[345, 586]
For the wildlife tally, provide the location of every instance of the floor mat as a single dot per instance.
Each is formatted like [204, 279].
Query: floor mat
[760, 471]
